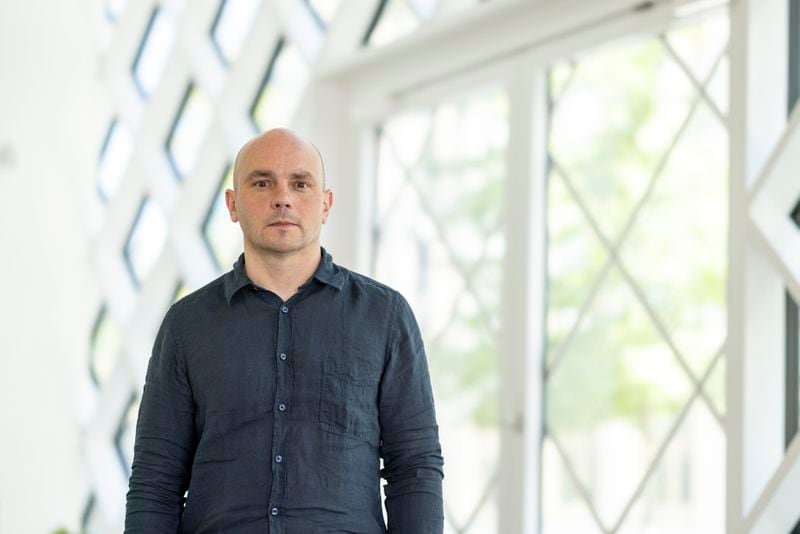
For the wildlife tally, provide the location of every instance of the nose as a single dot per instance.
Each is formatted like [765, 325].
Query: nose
[282, 198]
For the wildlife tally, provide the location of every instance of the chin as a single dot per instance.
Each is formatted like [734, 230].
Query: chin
[282, 248]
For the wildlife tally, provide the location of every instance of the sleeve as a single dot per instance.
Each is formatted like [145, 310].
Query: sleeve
[165, 439]
[412, 456]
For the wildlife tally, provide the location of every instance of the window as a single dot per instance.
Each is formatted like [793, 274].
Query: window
[222, 237]
[146, 240]
[438, 238]
[153, 53]
[105, 346]
[114, 157]
[282, 88]
[231, 25]
[325, 10]
[188, 131]
[636, 321]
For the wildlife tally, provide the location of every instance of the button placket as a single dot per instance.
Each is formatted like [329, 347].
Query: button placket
[281, 423]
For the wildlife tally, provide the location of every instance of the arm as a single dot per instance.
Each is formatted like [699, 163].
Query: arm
[165, 440]
[409, 434]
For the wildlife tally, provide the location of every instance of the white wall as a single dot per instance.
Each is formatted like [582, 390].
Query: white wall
[48, 141]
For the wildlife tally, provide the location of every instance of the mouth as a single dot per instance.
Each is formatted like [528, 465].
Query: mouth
[282, 224]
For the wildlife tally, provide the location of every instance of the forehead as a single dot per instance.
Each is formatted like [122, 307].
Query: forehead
[279, 154]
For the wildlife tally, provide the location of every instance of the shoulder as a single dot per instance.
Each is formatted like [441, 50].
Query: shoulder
[383, 299]
[210, 296]
[358, 284]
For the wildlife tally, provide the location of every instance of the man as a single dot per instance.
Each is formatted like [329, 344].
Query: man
[273, 393]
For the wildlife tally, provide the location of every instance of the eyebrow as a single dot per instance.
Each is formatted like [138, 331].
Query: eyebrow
[259, 174]
[262, 173]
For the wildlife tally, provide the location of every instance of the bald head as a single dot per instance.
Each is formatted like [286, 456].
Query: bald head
[278, 144]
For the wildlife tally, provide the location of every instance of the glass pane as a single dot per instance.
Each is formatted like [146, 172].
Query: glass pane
[223, 237]
[715, 386]
[189, 131]
[634, 141]
[325, 9]
[394, 179]
[718, 86]
[686, 493]
[126, 433]
[575, 259]
[700, 45]
[114, 8]
[283, 87]
[92, 519]
[560, 76]
[153, 52]
[105, 346]
[146, 240]
[232, 25]
[439, 240]
[613, 397]
[423, 9]
[614, 123]
[681, 266]
[407, 135]
[564, 509]
[114, 159]
[181, 292]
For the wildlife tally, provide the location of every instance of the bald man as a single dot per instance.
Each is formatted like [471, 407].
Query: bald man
[273, 393]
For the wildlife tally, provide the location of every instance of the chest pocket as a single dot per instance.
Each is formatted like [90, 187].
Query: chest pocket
[349, 407]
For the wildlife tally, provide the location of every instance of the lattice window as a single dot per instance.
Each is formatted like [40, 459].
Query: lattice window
[230, 27]
[439, 240]
[636, 320]
[114, 157]
[154, 51]
[279, 96]
[224, 240]
[325, 10]
[188, 131]
[114, 8]
[105, 347]
[146, 240]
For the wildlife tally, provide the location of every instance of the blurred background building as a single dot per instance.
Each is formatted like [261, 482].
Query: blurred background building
[593, 207]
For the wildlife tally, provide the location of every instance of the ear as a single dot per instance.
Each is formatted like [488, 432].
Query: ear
[230, 201]
[327, 204]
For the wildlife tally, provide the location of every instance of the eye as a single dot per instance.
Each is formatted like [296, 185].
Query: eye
[302, 185]
[260, 183]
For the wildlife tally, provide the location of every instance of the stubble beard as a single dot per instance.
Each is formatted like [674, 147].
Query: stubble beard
[283, 244]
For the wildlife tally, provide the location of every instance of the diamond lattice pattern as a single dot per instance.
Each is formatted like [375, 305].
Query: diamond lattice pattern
[439, 240]
[637, 222]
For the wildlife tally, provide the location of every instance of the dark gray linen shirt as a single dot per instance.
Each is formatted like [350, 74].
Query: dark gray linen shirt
[275, 415]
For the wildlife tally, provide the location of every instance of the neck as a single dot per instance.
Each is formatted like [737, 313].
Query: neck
[282, 274]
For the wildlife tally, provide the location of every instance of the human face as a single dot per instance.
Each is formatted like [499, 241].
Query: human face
[279, 199]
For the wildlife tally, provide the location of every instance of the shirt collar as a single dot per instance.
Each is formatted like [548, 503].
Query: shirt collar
[327, 272]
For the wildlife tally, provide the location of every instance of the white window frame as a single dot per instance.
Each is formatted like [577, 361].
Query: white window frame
[763, 478]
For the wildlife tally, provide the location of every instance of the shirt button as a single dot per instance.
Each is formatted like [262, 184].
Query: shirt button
[282, 407]
[283, 356]
[274, 511]
[279, 458]
[284, 309]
